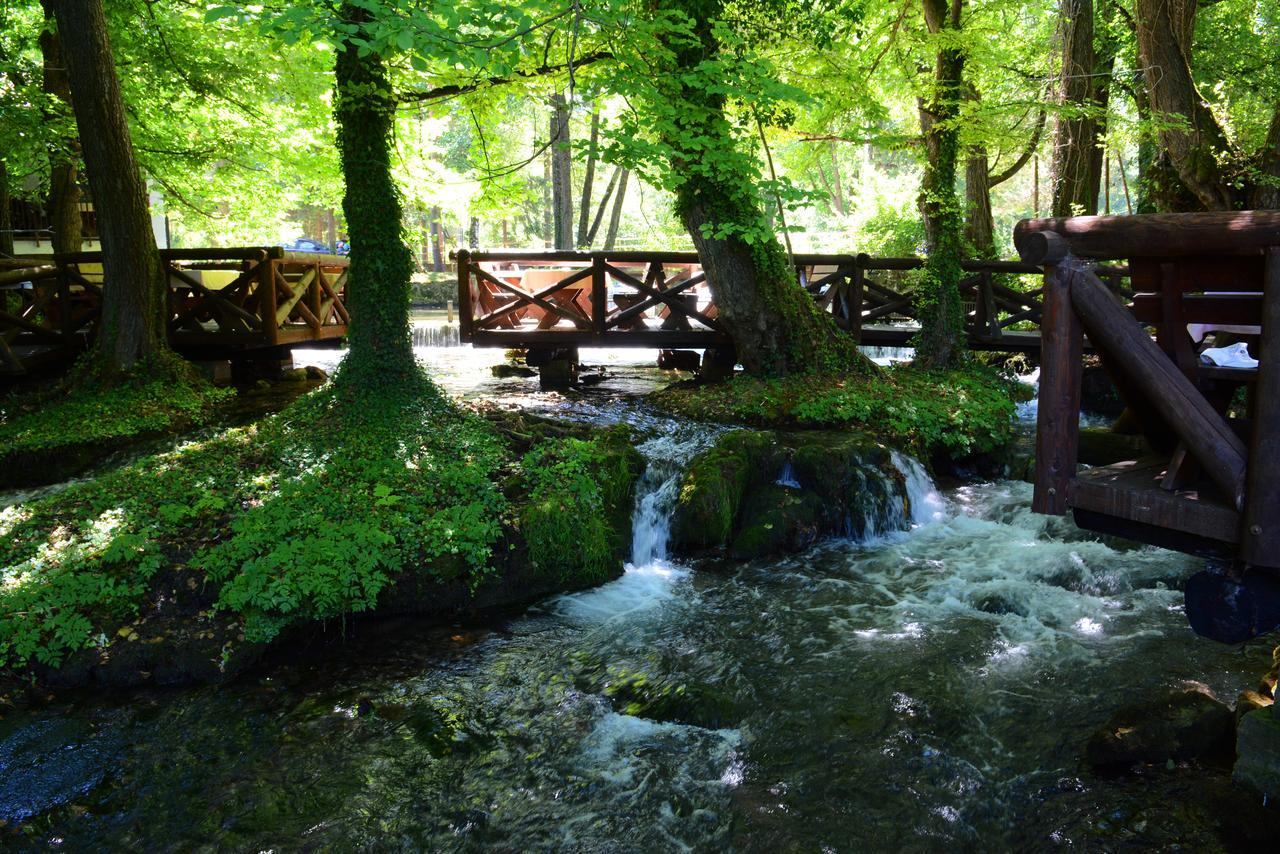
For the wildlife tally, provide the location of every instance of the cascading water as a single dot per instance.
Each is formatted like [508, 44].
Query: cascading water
[926, 690]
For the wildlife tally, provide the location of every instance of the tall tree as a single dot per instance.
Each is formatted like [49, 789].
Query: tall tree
[941, 341]
[1214, 169]
[381, 264]
[615, 217]
[588, 178]
[1084, 86]
[63, 201]
[684, 90]
[134, 303]
[561, 172]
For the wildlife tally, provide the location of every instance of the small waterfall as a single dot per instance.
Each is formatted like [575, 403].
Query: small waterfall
[788, 477]
[445, 335]
[656, 493]
[922, 496]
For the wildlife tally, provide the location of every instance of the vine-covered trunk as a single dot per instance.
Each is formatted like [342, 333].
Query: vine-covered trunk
[941, 340]
[135, 292]
[775, 325]
[63, 200]
[561, 172]
[381, 353]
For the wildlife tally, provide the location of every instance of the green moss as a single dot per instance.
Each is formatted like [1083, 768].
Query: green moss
[576, 518]
[308, 515]
[96, 416]
[714, 484]
[953, 412]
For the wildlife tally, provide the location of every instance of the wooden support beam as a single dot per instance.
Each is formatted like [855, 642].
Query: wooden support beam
[1203, 430]
[1153, 235]
[1261, 535]
[1058, 411]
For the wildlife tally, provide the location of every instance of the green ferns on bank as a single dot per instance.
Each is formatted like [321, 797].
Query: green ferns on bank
[307, 515]
[958, 412]
[167, 402]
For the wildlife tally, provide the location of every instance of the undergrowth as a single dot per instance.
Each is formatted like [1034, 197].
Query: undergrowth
[308, 514]
[153, 403]
[959, 412]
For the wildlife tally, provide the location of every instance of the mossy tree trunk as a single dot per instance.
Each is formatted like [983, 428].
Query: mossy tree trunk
[941, 342]
[775, 325]
[63, 201]
[381, 354]
[134, 303]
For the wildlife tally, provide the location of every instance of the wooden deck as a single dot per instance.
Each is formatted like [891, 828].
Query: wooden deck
[1216, 488]
[663, 300]
[223, 303]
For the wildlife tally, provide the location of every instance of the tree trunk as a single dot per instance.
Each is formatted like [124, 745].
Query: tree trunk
[979, 225]
[381, 355]
[603, 206]
[941, 341]
[584, 206]
[1189, 132]
[615, 216]
[135, 292]
[437, 244]
[775, 325]
[63, 203]
[1074, 179]
[561, 172]
[548, 216]
[6, 214]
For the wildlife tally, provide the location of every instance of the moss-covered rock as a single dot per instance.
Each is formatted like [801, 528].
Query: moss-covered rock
[767, 492]
[715, 483]
[1258, 751]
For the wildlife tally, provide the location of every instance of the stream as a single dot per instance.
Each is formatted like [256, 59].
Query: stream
[926, 689]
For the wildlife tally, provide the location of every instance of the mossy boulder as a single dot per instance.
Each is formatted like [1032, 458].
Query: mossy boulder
[756, 493]
[1258, 751]
[715, 483]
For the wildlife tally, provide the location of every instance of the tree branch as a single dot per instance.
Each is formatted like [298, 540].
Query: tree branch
[438, 93]
[994, 180]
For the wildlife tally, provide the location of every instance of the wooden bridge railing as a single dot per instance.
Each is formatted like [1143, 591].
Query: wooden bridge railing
[221, 302]
[1216, 485]
[661, 299]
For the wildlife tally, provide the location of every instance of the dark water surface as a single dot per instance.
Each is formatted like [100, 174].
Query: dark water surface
[928, 690]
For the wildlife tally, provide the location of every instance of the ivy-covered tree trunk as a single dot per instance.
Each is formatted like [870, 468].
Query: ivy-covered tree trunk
[381, 352]
[941, 342]
[135, 291]
[63, 201]
[775, 325]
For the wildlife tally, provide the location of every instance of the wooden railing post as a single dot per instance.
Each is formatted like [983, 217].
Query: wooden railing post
[599, 295]
[1260, 538]
[465, 317]
[313, 297]
[1058, 410]
[853, 302]
[267, 299]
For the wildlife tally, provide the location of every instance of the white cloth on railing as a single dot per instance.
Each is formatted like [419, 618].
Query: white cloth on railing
[1232, 356]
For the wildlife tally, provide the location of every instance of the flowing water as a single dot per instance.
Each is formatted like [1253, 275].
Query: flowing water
[929, 688]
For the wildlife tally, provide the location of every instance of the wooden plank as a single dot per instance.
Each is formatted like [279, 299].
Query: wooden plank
[668, 296]
[296, 290]
[1131, 491]
[1058, 412]
[599, 295]
[1261, 535]
[1154, 235]
[488, 320]
[575, 318]
[218, 302]
[1208, 436]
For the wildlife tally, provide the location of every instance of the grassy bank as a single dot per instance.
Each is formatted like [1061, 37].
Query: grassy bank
[957, 413]
[311, 514]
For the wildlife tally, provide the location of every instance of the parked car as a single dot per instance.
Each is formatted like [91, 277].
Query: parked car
[306, 244]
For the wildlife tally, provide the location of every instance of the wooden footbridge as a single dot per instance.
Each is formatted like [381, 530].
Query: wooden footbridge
[1213, 487]
[223, 303]
[551, 300]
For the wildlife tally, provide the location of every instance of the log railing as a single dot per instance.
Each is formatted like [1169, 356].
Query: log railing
[221, 302]
[662, 299]
[1218, 481]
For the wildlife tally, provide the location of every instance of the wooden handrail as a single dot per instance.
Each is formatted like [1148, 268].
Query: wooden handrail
[1151, 235]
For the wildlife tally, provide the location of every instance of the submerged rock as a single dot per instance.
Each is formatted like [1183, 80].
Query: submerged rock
[1189, 724]
[757, 493]
[1258, 751]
